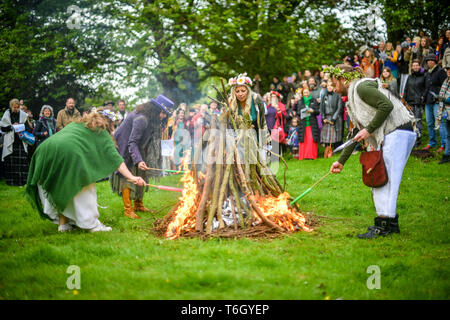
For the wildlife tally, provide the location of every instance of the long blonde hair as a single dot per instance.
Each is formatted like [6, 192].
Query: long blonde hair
[234, 103]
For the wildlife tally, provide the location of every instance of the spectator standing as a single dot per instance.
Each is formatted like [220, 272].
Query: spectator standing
[181, 138]
[381, 55]
[15, 151]
[308, 134]
[444, 95]
[67, 115]
[213, 108]
[391, 61]
[426, 50]
[45, 126]
[276, 112]
[415, 96]
[403, 67]
[332, 111]
[434, 79]
[439, 48]
[388, 81]
[413, 53]
[292, 139]
[108, 105]
[257, 85]
[122, 109]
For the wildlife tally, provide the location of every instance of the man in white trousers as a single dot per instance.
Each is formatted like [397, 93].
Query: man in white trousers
[382, 121]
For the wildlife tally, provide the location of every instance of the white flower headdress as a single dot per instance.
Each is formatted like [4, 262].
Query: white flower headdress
[240, 80]
[111, 115]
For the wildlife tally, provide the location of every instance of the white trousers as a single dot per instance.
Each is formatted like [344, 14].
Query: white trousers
[81, 210]
[396, 150]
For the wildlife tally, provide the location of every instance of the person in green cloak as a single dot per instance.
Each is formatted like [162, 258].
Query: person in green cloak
[65, 167]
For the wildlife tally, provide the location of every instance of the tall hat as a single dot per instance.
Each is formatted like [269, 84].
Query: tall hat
[164, 103]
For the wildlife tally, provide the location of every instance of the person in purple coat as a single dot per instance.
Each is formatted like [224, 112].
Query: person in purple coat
[138, 141]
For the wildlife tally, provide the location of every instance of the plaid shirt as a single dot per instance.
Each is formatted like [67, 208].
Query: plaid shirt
[445, 93]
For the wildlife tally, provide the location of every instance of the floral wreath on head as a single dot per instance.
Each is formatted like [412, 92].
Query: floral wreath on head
[111, 115]
[348, 76]
[276, 93]
[240, 80]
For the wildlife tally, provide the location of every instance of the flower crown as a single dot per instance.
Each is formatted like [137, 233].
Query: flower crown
[240, 80]
[338, 72]
[109, 114]
[276, 93]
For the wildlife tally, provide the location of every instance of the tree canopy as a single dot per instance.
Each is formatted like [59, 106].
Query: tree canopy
[51, 50]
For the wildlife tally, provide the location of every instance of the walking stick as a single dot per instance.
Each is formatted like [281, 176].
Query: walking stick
[309, 189]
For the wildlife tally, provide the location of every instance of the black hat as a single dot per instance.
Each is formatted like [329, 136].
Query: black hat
[431, 56]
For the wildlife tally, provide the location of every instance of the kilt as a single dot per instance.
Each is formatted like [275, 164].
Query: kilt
[119, 182]
[16, 166]
[332, 134]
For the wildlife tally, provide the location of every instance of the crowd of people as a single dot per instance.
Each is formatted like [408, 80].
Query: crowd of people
[310, 113]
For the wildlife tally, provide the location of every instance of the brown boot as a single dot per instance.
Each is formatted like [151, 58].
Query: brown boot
[139, 206]
[128, 212]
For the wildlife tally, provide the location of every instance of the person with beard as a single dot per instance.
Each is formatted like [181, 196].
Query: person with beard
[139, 143]
[414, 95]
[67, 115]
[45, 126]
[15, 151]
[332, 110]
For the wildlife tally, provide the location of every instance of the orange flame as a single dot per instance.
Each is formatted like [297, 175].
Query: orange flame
[184, 219]
[277, 210]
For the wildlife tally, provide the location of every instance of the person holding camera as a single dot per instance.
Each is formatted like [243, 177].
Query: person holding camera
[435, 77]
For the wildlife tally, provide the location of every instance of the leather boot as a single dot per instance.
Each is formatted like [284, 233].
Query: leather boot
[381, 228]
[393, 223]
[139, 206]
[128, 212]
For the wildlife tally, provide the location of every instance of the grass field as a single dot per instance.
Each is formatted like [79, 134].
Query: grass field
[329, 263]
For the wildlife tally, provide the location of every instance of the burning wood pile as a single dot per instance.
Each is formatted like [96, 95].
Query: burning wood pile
[234, 193]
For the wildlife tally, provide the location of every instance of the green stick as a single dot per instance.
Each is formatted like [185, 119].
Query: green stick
[309, 189]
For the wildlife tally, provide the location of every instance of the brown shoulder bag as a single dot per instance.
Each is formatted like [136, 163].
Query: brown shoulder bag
[374, 173]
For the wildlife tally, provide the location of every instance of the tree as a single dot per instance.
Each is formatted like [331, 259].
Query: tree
[45, 57]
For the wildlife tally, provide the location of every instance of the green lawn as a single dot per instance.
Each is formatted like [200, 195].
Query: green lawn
[329, 263]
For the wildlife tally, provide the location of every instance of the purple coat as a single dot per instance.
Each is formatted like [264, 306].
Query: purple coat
[132, 137]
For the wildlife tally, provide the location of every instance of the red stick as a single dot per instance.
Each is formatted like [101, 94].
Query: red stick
[167, 188]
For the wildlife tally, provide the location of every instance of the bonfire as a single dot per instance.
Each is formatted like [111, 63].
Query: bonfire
[233, 194]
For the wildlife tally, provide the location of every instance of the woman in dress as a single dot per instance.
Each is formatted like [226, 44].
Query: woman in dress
[309, 133]
[64, 169]
[15, 151]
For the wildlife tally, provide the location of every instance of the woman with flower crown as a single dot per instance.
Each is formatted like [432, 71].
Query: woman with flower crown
[248, 105]
[64, 169]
